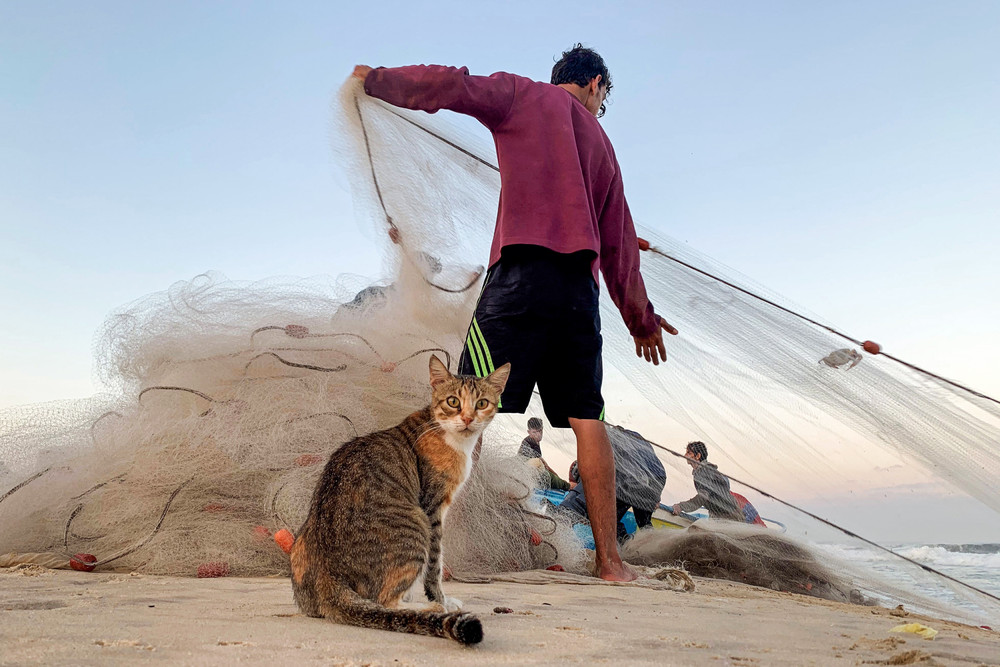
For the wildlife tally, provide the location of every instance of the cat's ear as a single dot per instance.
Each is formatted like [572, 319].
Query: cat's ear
[498, 378]
[439, 372]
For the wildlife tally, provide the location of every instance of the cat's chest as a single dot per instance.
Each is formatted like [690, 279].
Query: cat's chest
[441, 478]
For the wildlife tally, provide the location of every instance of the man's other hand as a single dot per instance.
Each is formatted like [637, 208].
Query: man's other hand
[651, 347]
[361, 71]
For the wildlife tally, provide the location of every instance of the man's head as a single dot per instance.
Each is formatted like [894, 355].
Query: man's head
[585, 69]
[696, 451]
[535, 429]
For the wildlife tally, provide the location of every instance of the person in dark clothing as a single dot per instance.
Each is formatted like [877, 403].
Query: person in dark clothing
[640, 477]
[562, 222]
[639, 480]
[575, 501]
[531, 448]
[712, 487]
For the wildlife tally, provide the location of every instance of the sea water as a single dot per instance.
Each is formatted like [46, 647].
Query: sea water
[977, 565]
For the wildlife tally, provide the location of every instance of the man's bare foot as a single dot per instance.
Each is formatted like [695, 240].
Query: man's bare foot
[617, 571]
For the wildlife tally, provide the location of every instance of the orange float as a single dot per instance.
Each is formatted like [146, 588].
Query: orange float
[284, 539]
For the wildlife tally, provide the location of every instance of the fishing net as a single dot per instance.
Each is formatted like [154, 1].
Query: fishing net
[224, 400]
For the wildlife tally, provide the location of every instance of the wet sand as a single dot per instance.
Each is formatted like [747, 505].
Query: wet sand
[63, 617]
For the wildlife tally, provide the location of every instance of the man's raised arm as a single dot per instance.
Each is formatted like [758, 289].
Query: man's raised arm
[432, 87]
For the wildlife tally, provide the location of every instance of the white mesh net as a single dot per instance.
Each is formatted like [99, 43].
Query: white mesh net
[225, 399]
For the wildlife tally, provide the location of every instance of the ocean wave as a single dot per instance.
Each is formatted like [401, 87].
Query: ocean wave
[985, 556]
[940, 555]
[970, 548]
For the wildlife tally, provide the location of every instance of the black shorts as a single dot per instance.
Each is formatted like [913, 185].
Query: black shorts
[539, 311]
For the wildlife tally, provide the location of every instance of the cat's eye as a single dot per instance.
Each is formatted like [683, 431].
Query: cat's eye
[453, 401]
[482, 404]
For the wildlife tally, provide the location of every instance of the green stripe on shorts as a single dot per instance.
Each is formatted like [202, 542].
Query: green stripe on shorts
[477, 339]
[482, 341]
[473, 357]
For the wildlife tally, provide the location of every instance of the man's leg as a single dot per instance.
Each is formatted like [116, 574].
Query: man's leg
[597, 471]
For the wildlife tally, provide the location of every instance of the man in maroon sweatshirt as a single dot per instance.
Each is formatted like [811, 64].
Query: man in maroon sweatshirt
[562, 218]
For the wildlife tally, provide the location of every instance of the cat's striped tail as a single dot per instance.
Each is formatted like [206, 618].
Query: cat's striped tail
[347, 607]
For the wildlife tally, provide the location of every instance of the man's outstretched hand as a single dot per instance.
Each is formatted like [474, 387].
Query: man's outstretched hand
[651, 347]
[361, 71]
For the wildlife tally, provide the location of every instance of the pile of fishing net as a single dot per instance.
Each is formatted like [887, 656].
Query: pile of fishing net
[223, 425]
[224, 400]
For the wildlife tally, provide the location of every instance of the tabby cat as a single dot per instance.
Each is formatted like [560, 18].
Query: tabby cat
[376, 516]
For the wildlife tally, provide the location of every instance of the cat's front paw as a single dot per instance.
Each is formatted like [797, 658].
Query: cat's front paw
[452, 604]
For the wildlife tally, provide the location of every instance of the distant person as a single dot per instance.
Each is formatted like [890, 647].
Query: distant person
[640, 477]
[531, 448]
[639, 480]
[712, 487]
[575, 501]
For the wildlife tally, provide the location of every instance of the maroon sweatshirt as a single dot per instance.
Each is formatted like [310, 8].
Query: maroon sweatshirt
[560, 184]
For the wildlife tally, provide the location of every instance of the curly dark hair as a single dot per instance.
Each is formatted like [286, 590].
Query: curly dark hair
[580, 65]
[698, 447]
[535, 423]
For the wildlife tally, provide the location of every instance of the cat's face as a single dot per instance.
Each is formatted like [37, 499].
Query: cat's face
[464, 405]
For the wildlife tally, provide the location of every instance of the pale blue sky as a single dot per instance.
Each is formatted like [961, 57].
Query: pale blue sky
[847, 155]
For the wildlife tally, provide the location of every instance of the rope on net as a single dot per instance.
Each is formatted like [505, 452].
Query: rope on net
[93, 425]
[138, 545]
[97, 486]
[310, 367]
[322, 414]
[24, 484]
[69, 523]
[388, 218]
[274, 508]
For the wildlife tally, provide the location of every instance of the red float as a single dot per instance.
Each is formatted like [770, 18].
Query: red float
[872, 347]
[82, 562]
[213, 569]
[308, 460]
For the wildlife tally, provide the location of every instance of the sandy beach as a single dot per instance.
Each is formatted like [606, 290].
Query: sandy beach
[62, 617]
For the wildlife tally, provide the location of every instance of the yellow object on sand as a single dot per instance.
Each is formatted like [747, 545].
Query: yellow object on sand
[917, 629]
